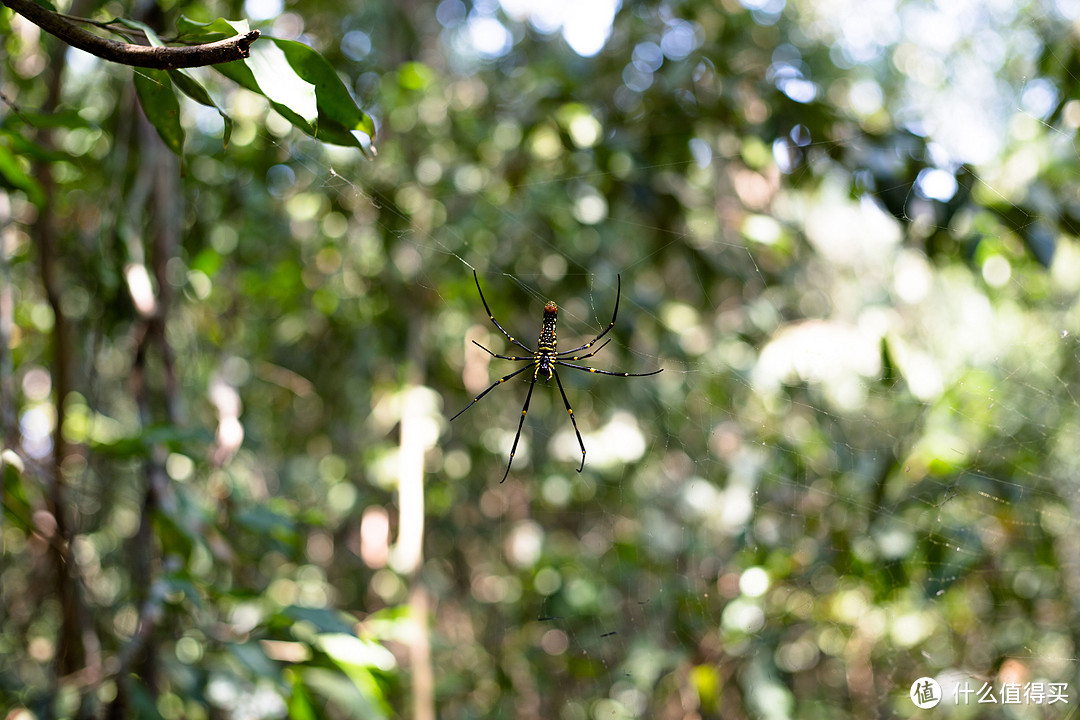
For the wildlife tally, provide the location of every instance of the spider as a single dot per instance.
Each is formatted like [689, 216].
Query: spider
[544, 360]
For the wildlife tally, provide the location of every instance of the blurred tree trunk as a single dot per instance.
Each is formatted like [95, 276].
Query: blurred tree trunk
[77, 649]
[155, 207]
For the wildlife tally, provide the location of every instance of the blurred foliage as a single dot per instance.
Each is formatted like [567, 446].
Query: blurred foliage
[856, 469]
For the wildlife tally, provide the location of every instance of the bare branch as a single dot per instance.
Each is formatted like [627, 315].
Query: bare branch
[162, 58]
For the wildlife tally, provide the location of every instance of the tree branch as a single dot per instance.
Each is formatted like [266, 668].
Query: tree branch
[162, 58]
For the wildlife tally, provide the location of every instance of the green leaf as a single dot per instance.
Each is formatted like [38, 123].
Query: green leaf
[212, 31]
[252, 656]
[140, 444]
[188, 85]
[324, 620]
[158, 100]
[13, 175]
[279, 83]
[300, 706]
[264, 520]
[350, 700]
[16, 505]
[357, 658]
[21, 146]
[241, 74]
[183, 79]
[304, 88]
[68, 118]
[335, 102]
[349, 651]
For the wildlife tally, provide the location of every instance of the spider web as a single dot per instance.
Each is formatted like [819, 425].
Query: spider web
[880, 487]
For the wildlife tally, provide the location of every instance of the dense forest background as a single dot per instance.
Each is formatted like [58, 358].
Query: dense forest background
[230, 349]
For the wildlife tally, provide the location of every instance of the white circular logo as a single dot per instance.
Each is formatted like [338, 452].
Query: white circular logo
[925, 693]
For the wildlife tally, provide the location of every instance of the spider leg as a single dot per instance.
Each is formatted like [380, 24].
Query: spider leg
[494, 385]
[521, 422]
[570, 411]
[492, 317]
[606, 372]
[586, 346]
[582, 357]
[506, 357]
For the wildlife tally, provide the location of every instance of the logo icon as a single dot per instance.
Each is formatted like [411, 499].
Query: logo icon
[925, 693]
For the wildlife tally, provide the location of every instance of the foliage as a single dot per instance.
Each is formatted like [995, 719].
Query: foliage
[855, 469]
[299, 83]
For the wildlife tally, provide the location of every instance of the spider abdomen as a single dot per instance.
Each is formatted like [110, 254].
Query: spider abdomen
[546, 346]
[547, 341]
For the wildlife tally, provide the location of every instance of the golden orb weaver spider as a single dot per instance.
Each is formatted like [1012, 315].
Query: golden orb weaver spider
[544, 360]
